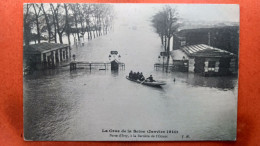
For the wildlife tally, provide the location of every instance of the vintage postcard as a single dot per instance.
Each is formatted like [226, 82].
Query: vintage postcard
[130, 72]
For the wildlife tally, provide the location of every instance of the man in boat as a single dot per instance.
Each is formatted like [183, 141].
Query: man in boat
[141, 77]
[150, 79]
[137, 75]
[131, 74]
[134, 76]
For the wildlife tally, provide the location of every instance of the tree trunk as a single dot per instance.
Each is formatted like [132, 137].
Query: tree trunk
[83, 35]
[94, 34]
[67, 27]
[37, 23]
[27, 32]
[172, 43]
[161, 38]
[60, 37]
[68, 35]
[55, 35]
[38, 30]
[26, 26]
[88, 35]
[77, 29]
[97, 32]
[165, 45]
[77, 32]
[47, 23]
[168, 53]
[55, 30]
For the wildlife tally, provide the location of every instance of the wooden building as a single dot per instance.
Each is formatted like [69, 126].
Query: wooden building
[225, 38]
[114, 65]
[207, 60]
[45, 55]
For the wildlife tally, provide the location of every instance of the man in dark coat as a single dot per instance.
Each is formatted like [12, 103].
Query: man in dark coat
[141, 77]
[150, 79]
[131, 74]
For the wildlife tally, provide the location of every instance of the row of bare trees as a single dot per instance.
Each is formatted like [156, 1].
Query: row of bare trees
[166, 25]
[57, 20]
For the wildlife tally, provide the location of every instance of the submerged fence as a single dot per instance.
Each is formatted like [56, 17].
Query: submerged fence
[94, 65]
[177, 65]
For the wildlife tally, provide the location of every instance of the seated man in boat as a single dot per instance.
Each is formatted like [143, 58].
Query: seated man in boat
[134, 76]
[150, 79]
[131, 74]
[141, 77]
[137, 75]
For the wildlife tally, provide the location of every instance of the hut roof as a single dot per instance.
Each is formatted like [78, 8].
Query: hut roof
[43, 47]
[203, 50]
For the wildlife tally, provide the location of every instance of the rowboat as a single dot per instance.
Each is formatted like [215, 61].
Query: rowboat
[147, 83]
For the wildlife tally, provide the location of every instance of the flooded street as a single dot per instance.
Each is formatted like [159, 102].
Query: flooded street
[77, 105]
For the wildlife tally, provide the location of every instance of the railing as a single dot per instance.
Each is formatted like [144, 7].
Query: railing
[94, 65]
[177, 65]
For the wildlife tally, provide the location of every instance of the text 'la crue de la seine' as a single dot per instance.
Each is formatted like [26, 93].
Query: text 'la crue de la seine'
[126, 133]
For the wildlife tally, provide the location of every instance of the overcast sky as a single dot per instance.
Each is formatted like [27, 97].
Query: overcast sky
[194, 12]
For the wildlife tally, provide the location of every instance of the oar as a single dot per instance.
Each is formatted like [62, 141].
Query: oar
[142, 82]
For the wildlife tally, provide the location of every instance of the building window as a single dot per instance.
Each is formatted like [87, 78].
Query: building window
[183, 43]
[212, 65]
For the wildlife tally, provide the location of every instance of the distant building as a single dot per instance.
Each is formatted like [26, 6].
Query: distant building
[178, 42]
[45, 55]
[207, 60]
[225, 38]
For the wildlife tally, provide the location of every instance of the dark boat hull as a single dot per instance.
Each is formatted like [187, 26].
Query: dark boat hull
[152, 84]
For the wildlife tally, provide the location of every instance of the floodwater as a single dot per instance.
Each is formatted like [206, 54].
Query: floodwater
[78, 105]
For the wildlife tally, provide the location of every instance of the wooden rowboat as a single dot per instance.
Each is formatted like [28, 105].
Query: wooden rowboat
[152, 84]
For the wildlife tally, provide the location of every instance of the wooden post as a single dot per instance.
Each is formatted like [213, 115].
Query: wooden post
[67, 53]
[60, 54]
[47, 61]
[54, 58]
[42, 60]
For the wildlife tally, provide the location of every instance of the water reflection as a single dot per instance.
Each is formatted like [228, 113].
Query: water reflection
[114, 73]
[225, 82]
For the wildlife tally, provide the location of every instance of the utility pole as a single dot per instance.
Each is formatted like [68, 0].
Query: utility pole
[209, 38]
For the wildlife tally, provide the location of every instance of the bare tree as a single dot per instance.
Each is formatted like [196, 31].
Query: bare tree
[54, 23]
[71, 19]
[68, 22]
[166, 24]
[87, 11]
[106, 17]
[37, 13]
[81, 20]
[27, 24]
[47, 17]
[59, 19]
[75, 13]
[160, 25]
[97, 9]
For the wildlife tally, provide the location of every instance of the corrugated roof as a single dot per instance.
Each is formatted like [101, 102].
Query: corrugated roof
[203, 50]
[41, 47]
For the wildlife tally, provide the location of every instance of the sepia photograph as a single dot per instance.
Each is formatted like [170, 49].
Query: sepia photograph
[130, 72]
